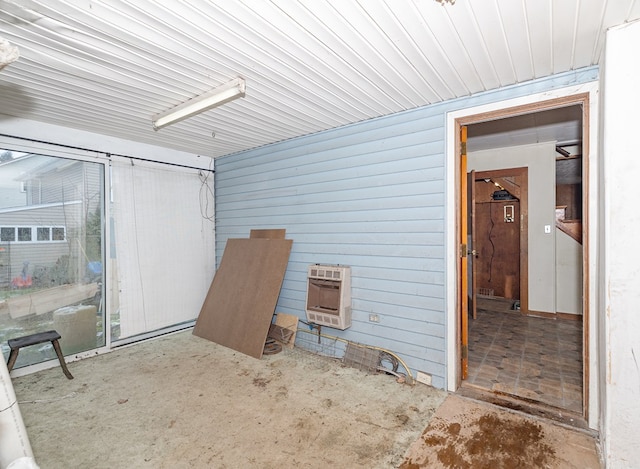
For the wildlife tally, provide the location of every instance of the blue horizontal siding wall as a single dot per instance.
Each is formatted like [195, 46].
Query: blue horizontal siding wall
[369, 195]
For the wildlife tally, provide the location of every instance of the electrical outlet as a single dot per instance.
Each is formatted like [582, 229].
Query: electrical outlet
[374, 318]
[423, 378]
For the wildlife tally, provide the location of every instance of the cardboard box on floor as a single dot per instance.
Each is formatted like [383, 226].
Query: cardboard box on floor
[239, 306]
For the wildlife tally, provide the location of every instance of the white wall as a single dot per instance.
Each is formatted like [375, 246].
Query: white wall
[620, 264]
[540, 159]
[568, 274]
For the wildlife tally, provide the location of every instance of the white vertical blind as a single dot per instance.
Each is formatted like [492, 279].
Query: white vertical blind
[164, 239]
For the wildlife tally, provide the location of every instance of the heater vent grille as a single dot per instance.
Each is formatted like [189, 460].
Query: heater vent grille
[329, 295]
[334, 273]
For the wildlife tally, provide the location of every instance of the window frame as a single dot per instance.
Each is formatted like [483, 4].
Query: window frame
[52, 229]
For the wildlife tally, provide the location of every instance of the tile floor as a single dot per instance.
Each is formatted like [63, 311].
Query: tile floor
[534, 358]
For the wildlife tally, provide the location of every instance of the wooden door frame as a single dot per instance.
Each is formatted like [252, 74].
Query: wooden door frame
[585, 95]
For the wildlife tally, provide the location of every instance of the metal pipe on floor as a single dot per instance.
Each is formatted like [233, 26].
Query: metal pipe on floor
[14, 441]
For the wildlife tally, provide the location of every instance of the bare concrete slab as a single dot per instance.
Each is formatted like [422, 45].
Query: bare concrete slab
[182, 401]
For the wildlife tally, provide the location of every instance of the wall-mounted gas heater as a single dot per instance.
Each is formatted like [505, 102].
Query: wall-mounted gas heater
[329, 295]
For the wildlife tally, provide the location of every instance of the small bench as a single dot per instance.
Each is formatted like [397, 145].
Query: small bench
[33, 339]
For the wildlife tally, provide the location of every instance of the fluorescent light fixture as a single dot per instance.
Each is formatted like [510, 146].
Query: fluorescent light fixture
[216, 97]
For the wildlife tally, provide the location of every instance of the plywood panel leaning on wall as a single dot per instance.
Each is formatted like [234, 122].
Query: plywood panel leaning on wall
[275, 233]
[239, 306]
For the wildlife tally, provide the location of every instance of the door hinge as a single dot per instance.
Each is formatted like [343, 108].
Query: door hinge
[464, 251]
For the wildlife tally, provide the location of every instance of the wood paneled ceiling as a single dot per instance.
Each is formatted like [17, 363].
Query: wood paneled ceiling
[108, 66]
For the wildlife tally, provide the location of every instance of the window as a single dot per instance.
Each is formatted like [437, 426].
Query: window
[7, 234]
[24, 233]
[44, 233]
[52, 254]
[58, 234]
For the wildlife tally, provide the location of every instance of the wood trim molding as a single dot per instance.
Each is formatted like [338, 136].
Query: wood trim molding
[555, 103]
[558, 315]
[571, 228]
[569, 316]
[540, 314]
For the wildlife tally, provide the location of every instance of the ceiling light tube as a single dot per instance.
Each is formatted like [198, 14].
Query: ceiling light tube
[216, 97]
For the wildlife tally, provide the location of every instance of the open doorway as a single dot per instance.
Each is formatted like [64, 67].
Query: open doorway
[529, 338]
[527, 345]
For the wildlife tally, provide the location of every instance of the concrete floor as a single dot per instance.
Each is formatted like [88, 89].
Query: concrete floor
[182, 401]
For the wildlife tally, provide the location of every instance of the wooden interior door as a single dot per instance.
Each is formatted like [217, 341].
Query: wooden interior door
[501, 252]
[497, 265]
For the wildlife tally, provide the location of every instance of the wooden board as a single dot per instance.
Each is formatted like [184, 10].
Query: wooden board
[50, 299]
[288, 321]
[239, 306]
[276, 233]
